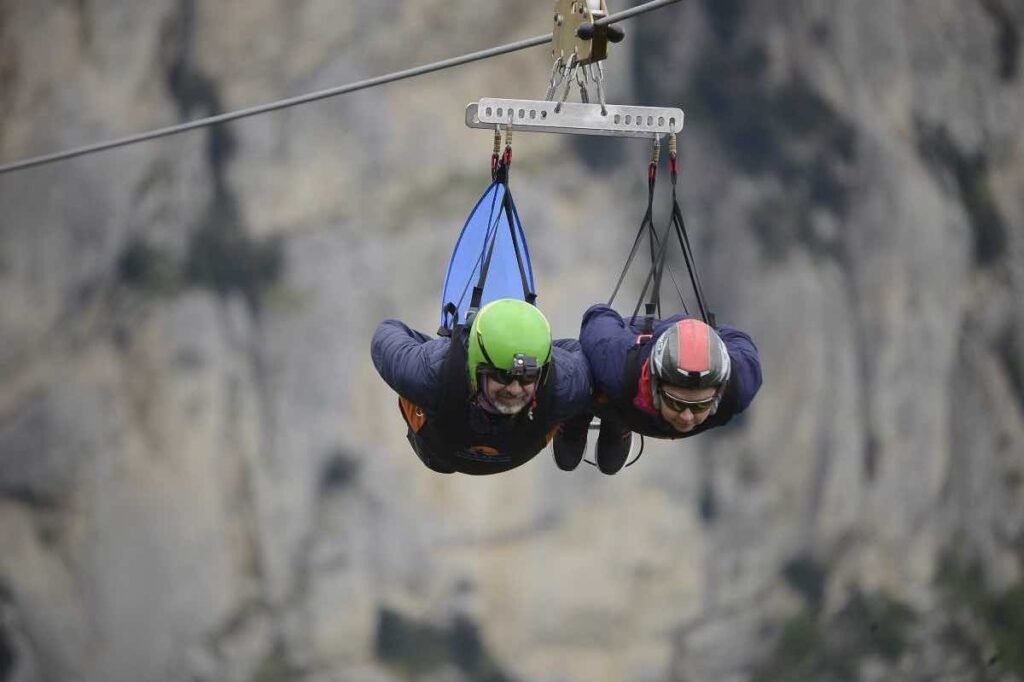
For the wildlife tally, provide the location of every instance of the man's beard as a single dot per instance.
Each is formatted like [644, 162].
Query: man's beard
[508, 404]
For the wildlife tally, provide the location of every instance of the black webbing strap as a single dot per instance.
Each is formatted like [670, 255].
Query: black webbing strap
[596, 427]
[659, 253]
[529, 295]
[684, 243]
[508, 210]
[478, 290]
[449, 318]
[646, 225]
[653, 306]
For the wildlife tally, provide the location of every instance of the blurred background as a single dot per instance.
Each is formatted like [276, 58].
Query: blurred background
[202, 478]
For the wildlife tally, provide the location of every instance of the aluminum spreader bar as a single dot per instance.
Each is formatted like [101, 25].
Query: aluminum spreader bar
[543, 116]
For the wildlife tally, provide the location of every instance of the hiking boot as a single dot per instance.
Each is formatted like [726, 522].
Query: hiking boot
[613, 443]
[571, 442]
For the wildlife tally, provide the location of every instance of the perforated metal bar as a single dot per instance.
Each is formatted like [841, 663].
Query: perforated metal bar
[539, 116]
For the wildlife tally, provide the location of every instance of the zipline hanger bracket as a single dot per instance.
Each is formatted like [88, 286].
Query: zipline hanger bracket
[579, 42]
[589, 45]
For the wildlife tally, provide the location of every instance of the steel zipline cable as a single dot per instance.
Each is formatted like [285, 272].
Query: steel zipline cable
[314, 96]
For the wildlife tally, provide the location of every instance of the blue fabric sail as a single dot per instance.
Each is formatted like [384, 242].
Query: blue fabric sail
[493, 221]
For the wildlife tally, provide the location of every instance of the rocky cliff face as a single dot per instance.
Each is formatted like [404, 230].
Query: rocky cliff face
[202, 477]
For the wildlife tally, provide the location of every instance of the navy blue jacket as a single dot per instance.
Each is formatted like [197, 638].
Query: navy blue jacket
[606, 338]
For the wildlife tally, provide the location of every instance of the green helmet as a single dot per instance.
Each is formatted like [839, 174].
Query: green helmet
[508, 334]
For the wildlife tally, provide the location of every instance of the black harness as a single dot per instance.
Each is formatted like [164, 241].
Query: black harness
[621, 407]
[464, 438]
[659, 248]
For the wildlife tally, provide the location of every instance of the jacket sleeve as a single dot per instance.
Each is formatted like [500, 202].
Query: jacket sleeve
[410, 362]
[572, 380]
[745, 377]
[605, 339]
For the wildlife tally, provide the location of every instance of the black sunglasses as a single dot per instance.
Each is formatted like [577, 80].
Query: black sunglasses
[679, 405]
[525, 370]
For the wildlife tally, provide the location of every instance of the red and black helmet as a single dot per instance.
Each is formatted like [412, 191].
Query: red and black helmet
[690, 354]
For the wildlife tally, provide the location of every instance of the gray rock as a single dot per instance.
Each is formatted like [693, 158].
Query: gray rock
[202, 477]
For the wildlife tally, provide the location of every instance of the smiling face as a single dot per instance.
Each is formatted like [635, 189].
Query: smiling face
[508, 398]
[686, 408]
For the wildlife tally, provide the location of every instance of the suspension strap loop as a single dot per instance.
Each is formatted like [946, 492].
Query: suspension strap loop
[500, 173]
[673, 157]
[497, 150]
[640, 452]
[646, 224]
[683, 238]
[652, 169]
[659, 248]
[594, 427]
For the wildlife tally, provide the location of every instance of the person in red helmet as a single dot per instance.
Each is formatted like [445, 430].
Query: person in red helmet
[681, 379]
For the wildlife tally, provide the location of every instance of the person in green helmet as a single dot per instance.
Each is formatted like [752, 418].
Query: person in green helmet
[490, 396]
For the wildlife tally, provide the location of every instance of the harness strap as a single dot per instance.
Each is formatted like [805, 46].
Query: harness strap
[449, 318]
[508, 209]
[684, 240]
[510, 212]
[631, 462]
[659, 251]
[647, 224]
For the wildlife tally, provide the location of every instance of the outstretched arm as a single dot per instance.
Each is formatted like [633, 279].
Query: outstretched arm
[409, 361]
[572, 379]
[745, 377]
[605, 339]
